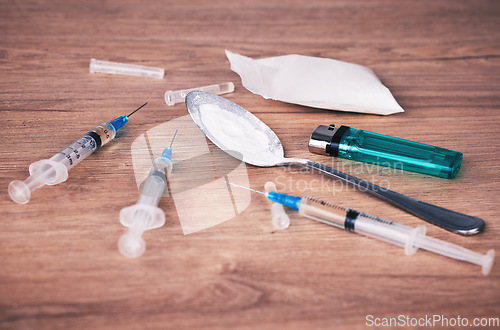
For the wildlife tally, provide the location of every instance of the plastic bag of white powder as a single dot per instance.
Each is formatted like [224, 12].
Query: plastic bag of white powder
[315, 82]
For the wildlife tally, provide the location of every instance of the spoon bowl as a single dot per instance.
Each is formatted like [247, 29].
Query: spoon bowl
[223, 121]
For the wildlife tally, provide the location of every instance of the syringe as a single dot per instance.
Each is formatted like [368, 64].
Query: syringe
[145, 214]
[391, 232]
[55, 170]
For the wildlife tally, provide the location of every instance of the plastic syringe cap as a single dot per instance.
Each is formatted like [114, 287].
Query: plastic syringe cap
[119, 122]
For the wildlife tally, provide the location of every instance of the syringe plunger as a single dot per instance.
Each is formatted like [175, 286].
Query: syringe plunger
[43, 172]
[139, 218]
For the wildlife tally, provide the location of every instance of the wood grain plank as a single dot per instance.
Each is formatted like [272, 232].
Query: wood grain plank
[60, 266]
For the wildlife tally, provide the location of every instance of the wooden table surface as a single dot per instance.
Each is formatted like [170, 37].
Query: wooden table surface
[59, 263]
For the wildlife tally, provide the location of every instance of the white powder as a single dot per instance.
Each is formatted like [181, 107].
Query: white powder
[229, 131]
[315, 82]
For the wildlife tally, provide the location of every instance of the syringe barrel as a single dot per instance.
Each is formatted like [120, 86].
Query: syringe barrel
[85, 145]
[358, 222]
[153, 189]
[384, 230]
[322, 211]
[156, 182]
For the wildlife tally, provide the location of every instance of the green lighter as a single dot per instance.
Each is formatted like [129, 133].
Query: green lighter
[364, 146]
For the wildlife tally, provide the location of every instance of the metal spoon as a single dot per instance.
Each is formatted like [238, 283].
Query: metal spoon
[267, 151]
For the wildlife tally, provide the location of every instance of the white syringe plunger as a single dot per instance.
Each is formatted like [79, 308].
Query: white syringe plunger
[43, 172]
[145, 214]
[455, 251]
[139, 218]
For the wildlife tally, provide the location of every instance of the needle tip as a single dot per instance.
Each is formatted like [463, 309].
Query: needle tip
[139, 108]
[171, 142]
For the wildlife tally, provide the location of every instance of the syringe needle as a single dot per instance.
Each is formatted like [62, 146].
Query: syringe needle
[243, 187]
[173, 138]
[139, 108]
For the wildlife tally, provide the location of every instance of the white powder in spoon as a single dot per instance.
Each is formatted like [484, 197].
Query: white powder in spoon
[229, 131]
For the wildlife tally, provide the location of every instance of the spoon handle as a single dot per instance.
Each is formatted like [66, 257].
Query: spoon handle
[453, 221]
